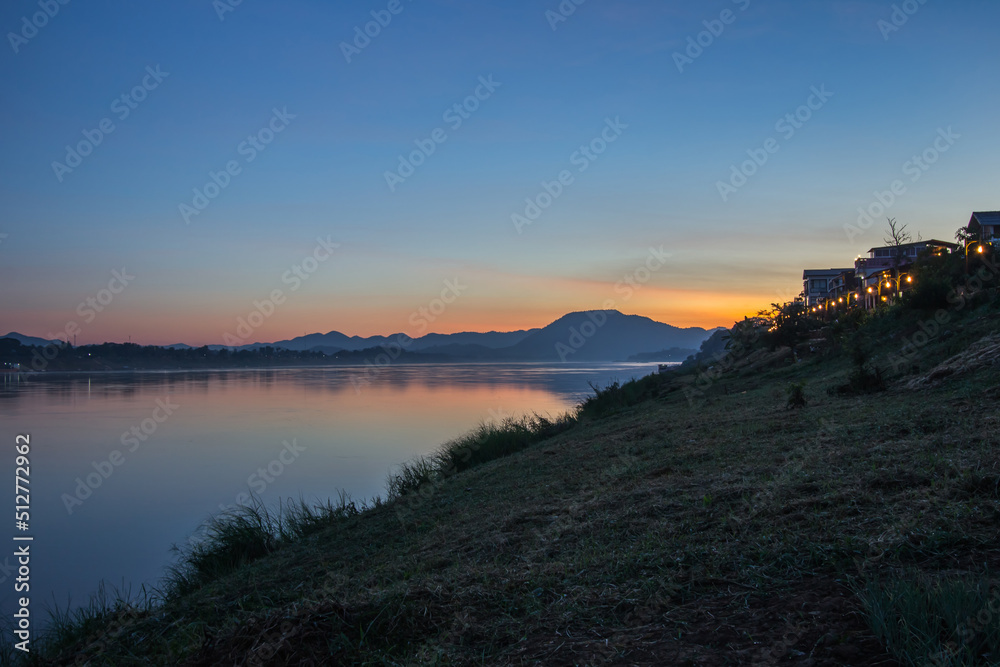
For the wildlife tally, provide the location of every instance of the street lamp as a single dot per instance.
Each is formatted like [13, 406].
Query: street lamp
[978, 250]
[898, 282]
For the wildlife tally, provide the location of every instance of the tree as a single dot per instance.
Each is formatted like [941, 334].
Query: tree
[895, 238]
[964, 236]
[744, 334]
[790, 325]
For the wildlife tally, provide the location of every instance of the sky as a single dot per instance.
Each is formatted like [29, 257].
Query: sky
[183, 171]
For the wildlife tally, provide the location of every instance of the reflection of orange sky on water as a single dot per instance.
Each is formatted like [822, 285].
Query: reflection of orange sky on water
[404, 410]
[225, 425]
[415, 405]
[401, 408]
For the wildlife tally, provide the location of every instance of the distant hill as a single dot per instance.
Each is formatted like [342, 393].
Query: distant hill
[492, 339]
[338, 341]
[603, 335]
[30, 340]
[599, 335]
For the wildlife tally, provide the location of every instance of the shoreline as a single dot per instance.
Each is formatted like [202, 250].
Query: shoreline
[583, 365]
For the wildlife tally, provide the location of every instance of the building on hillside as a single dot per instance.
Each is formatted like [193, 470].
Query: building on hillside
[884, 259]
[885, 272]
[985, 227]
[844, 286]
[817, 284]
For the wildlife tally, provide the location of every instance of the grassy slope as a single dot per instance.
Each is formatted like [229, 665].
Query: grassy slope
[721, 533]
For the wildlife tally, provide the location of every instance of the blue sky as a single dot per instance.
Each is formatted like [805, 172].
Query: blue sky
[323, 175]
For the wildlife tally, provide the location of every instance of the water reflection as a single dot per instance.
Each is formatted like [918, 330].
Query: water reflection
[189, 443]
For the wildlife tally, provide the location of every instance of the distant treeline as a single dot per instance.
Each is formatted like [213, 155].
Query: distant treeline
[129, 356]
[673, 354]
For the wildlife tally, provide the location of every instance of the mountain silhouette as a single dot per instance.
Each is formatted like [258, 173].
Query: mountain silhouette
[596, 335]
[30, 340]
[603, 335]
[334, 341]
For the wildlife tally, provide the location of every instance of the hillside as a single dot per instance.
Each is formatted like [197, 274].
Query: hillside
[689, 518]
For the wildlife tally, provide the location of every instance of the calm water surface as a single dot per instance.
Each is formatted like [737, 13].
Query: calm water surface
[112, 488]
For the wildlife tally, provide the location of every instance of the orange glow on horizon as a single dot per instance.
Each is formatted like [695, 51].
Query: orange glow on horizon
[507, 310]
[679, 308]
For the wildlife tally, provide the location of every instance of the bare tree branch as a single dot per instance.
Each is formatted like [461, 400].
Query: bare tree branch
[896, 236]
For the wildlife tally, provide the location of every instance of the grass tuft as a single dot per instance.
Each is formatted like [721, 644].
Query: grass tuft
[245, 533]
[488, 442]
[89, 625]
[616, 397]
[942, 621]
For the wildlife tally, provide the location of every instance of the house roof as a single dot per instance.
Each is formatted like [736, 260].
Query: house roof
[985, 218]
[810, 273]
[923, 243]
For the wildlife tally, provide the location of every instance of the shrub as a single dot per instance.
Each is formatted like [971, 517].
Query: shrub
[863, 379]
[796, 397]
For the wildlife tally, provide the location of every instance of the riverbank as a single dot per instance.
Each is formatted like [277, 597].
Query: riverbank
[689, 518]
